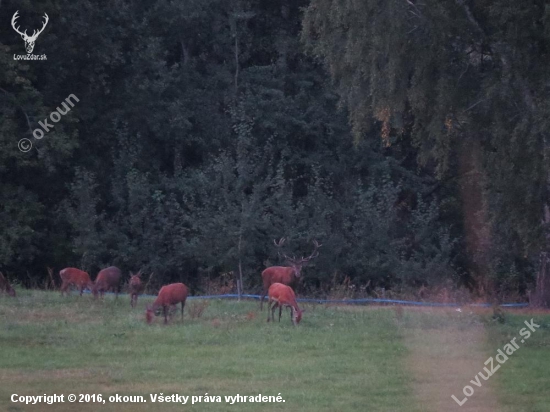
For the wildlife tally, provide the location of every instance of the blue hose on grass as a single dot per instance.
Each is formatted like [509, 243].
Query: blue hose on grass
[357, 301]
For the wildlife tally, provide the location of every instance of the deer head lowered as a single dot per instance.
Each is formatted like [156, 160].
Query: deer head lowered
[29, 40]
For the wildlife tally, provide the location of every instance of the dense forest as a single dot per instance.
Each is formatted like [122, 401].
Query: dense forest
[409, 138]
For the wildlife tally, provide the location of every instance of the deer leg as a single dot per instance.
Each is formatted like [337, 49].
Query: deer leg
[165, 310]
[280, 312]
[262, 299]
[273, 311]
[182, 305]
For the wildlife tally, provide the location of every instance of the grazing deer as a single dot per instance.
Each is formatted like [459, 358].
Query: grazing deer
[287, 275]
[5, 286]
[107, 279]
[283, 295]
[136, 288]
[168, 296]
[74, 277]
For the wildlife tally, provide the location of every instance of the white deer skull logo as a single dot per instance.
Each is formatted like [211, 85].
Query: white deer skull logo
[29, 40]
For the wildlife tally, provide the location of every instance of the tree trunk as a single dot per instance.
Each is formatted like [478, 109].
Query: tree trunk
[541, 296]
[476, 220]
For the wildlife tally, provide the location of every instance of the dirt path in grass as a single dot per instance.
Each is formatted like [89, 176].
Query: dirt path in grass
[444, 357]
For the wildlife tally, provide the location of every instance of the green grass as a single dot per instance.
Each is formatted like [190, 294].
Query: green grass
[453, 347]
[336, 360]
[523, 380]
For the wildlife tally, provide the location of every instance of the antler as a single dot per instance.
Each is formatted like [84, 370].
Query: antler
[36, 33]
[280, 243]
[13, 19]
[149, 281]
[314, 254]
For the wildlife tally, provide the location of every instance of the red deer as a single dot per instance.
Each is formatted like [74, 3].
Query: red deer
[287, 275]
[107, 279]
[283, 295]
[136, 288]
[168, 295]
[74, 277]
[5, 286]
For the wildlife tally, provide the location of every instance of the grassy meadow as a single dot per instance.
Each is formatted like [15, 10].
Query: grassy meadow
[524, 380]
[337, 359]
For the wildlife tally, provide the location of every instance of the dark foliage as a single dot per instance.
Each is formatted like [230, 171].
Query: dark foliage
[203, 131]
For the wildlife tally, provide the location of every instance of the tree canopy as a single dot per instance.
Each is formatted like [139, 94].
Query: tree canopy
[409, 138]
[466, 83]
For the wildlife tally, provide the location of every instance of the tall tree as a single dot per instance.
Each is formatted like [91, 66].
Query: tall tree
[469, 77]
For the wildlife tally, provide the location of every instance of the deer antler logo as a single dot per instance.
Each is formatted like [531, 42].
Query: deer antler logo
[29, 40]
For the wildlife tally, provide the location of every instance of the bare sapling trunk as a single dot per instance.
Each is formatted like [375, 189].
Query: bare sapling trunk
[541, 295]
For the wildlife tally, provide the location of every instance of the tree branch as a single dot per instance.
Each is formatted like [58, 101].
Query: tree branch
[185, 53]
[20, 108]
[500, 49]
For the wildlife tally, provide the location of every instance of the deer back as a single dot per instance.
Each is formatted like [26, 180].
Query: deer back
[279, 274]
[171, 294]
[74, 275]
[283, 294]
[108, 277]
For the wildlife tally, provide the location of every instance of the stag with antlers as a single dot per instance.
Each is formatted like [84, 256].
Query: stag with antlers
[287, 275]
[29, 40]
